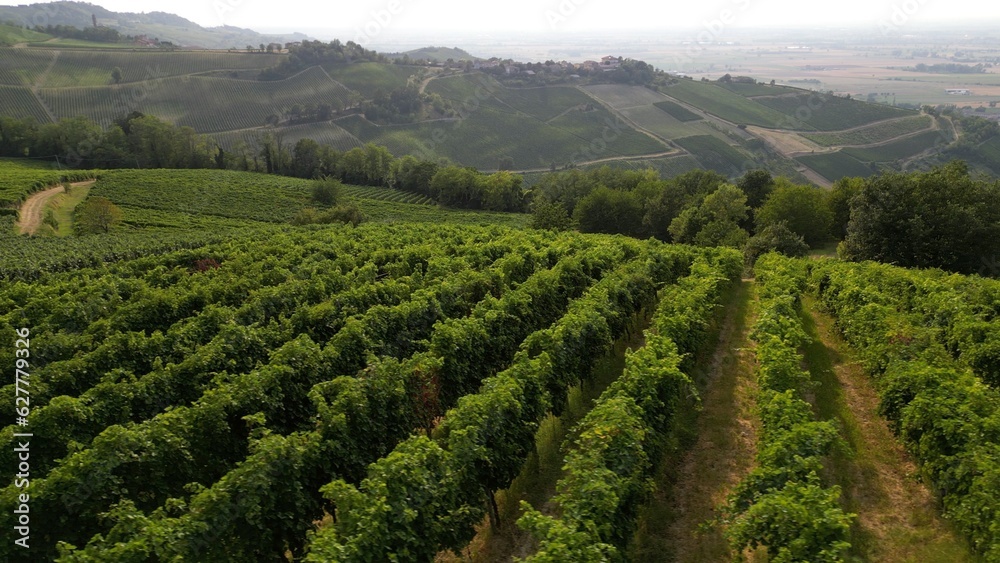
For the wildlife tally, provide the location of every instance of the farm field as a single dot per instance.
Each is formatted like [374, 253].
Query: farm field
[836, 165]
[207, 104]
[715, 154]
[407, 348]
[495, 131]
[728, 105]
[896, 150]
[327, 133]
[370, 78]
[76, 68]
[677, 111]
[876, 133]
[21, 103]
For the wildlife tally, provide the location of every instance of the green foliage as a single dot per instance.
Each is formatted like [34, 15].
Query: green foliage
[609, 464]
[715, 154]
[827, 112]
[96, 215]
[782, 503]
[545, 215]
[836, 165]
[839, 201]
[900, 149]
[326, 191]
[348, 213]
[803, 209]
[715, 222]
[919, 332]
[605, 210]
[774, 238]
[875, 133]
[677, 111]
[942, 218]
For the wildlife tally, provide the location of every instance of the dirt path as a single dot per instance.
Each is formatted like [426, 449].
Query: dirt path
[897, 516]
[33, 209]
[724, 445]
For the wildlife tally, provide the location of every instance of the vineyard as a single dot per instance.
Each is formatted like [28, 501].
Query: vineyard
[76, 68]
[207, 104]
[880, 132]
[214, 384]
[715, 154]
[902, 148]
[371, 78]
[326, 133]
[836, 165]
[677, 111]
[19, 179]
[21, 103]
[22, 67]
[831, 113]
[291, 345]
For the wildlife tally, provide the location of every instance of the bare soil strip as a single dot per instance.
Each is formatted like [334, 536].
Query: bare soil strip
[33, 210]
[676, 526]
[897, 515]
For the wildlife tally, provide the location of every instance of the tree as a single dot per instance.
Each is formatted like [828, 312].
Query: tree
[455, 186]
[326, 191]
[609, 211]
[757, 185]
[774, 238]
[803, 208]
[502, 192]
[715, 222]
[839, 201]
[116, 75]
[97, 215]
[937, 219]
[549, 215]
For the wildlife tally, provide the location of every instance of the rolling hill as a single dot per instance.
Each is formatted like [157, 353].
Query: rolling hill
[538, 121]
[166, 27]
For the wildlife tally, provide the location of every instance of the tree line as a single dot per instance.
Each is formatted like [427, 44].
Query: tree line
[945, 217]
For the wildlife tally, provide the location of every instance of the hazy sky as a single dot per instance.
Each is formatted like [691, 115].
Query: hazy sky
[386, 16]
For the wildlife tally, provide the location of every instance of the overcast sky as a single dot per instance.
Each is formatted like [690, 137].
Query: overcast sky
[558, 15]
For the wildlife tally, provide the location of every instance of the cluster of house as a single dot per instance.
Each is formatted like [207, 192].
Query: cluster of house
[606, 64]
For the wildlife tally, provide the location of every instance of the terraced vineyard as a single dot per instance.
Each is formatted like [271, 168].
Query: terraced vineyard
[716, 155]
[902, 148]
[76, 67]
[371, 78]
[836, 165]
[207, 104]
[831, 113]
[20, 103]
[327, 133]
[877, 133]
[22, 67]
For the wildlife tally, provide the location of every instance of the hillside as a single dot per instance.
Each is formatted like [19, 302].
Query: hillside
[530, 118]
[435, 54]
[165, 26]
[12, 35]
[450, 365]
